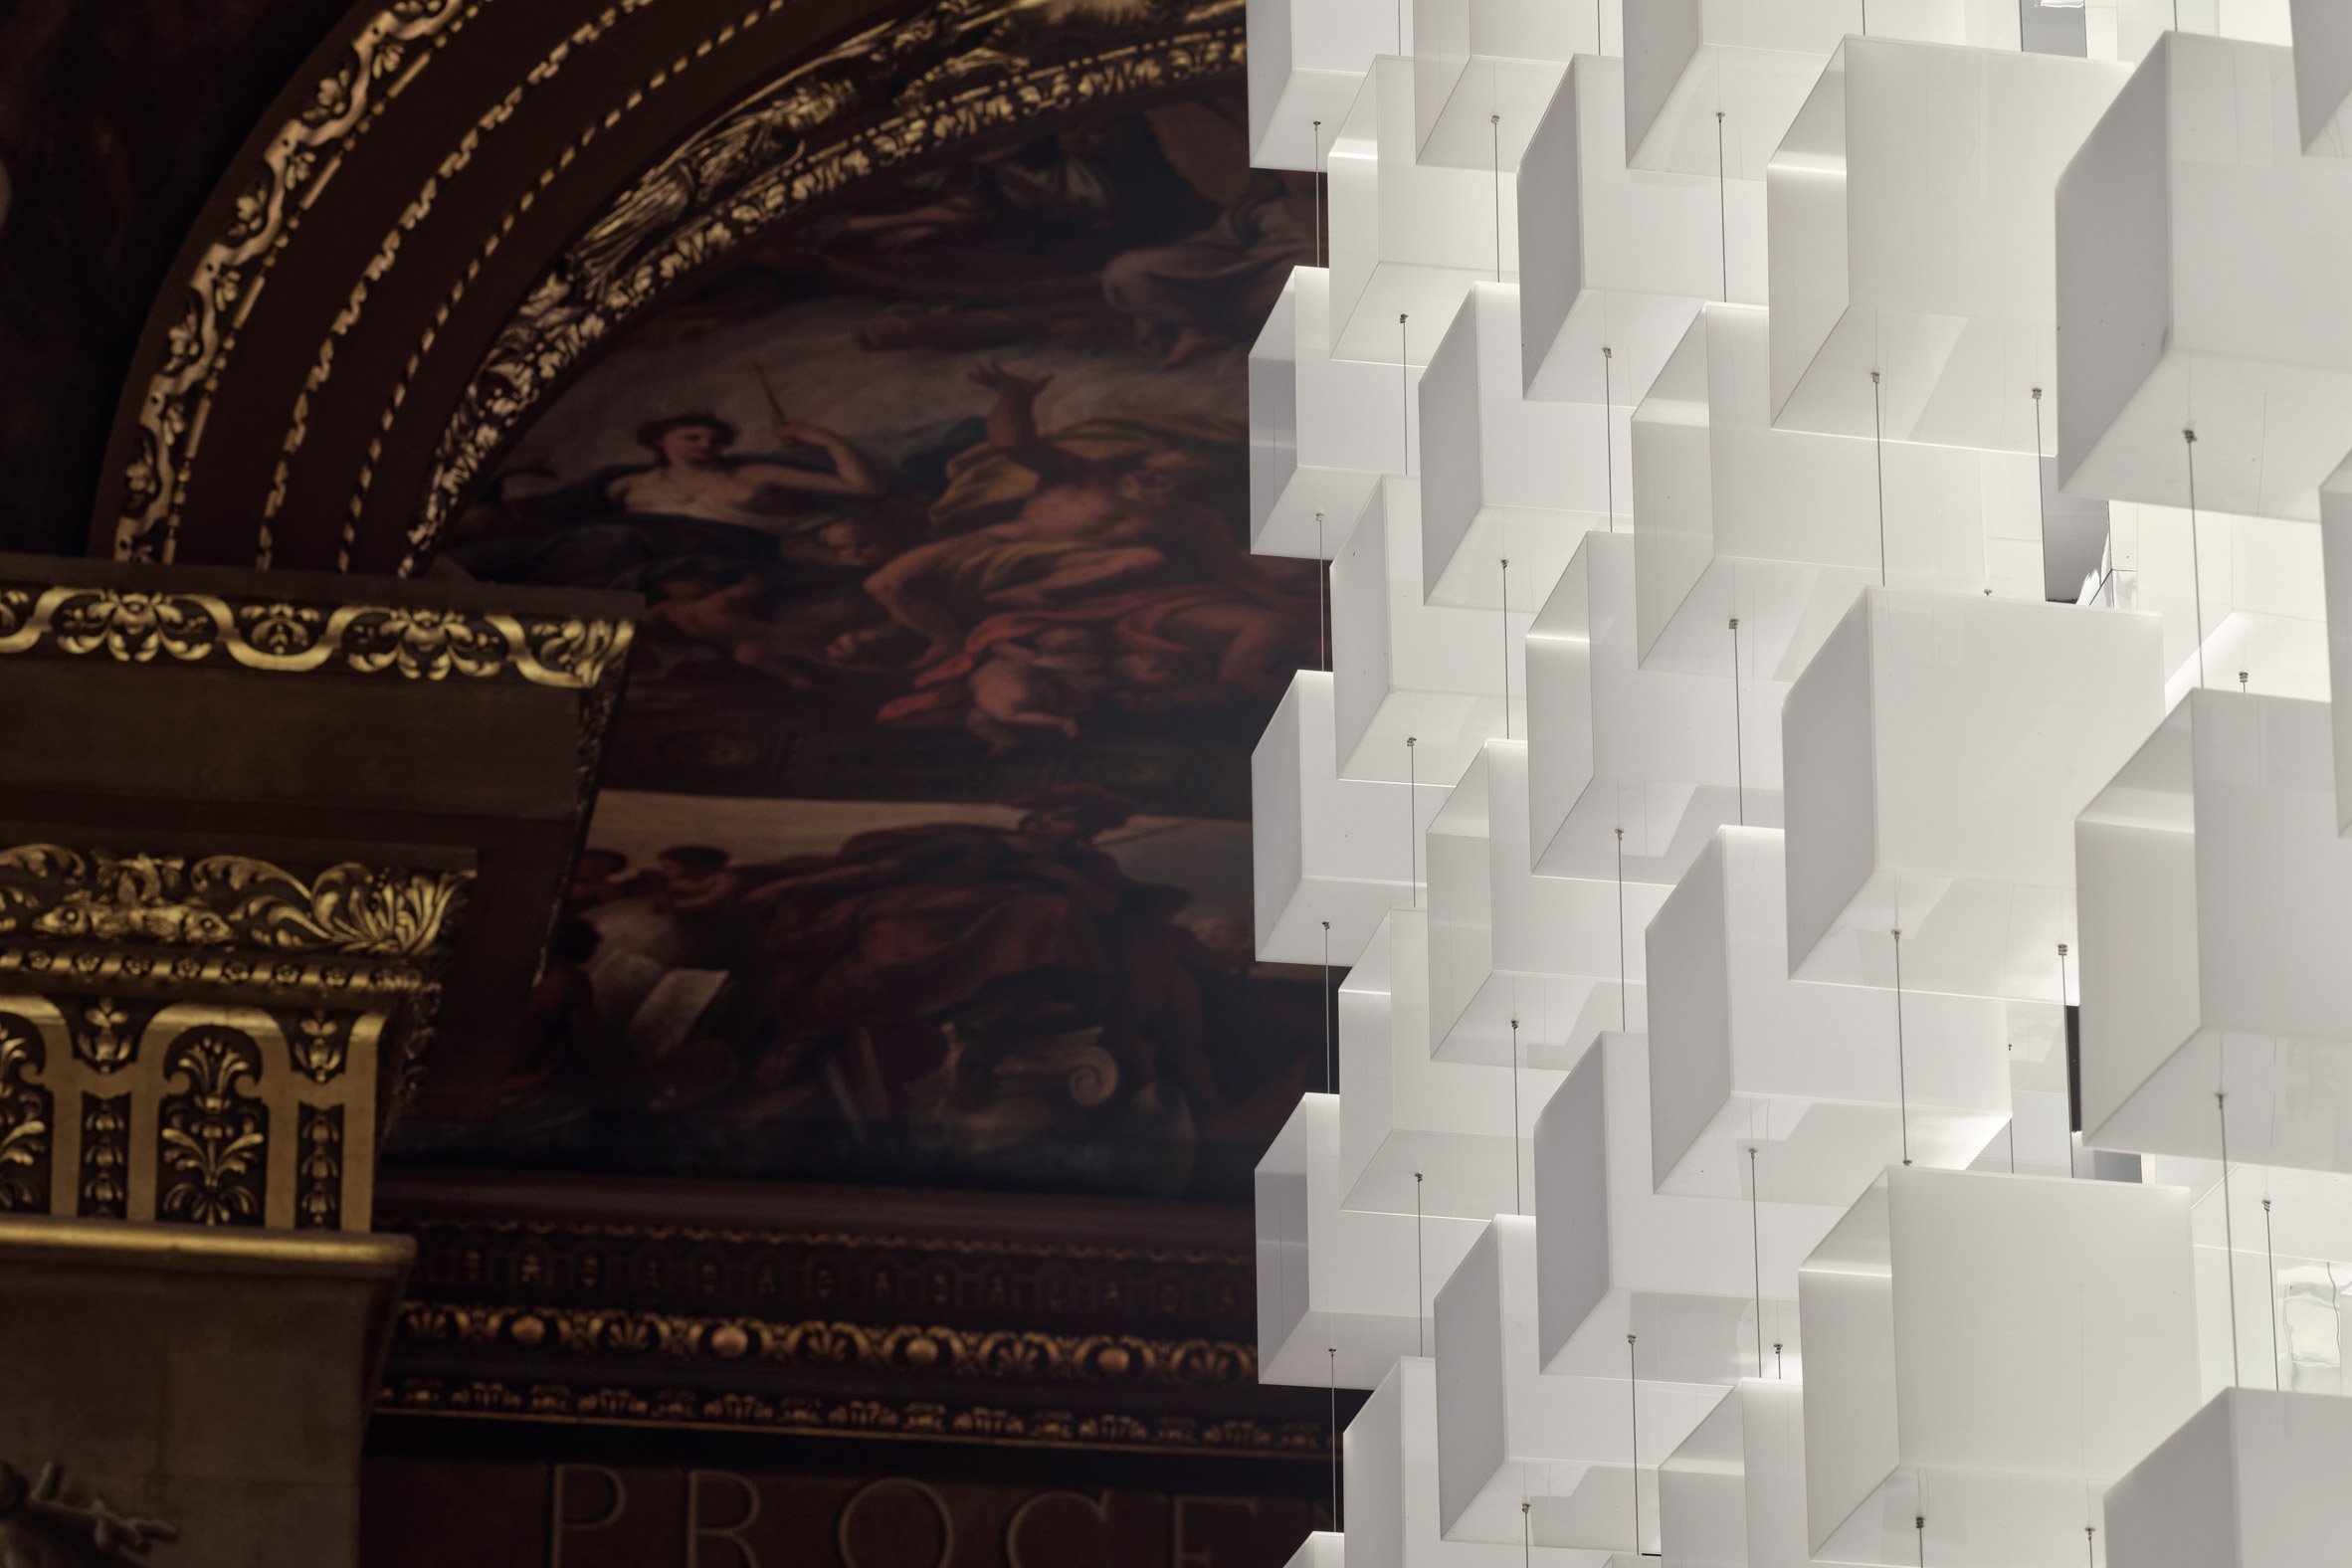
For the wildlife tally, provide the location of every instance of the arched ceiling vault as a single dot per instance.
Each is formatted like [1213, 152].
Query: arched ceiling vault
[456, 203]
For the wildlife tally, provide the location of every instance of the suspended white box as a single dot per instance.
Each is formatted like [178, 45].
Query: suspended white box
[1321, 430]
[2256, 589]
[1938, 749]
[1665, 755]
[1406, 238]
[2216, 892]
[1484, 70]
[1403, 669]
[1616, 259]
[2253, 1479]
[1324, 848]
[1307, 61]
[1391, 1462]
[1683, 1274]
[2198, 289]
[1561, 956]
[2040, 1137]
[1910, 216]
[1321, 1549]
[1760, 1085]
[1508, 487]
[2127, 30]
[2007, 1344]
[1508, 1430]
[2282, 1247]
[1452, 1123]
[2322, 39]
[1690, 60]
[1333, 1280]
[1781, 528]
[1733, 1495]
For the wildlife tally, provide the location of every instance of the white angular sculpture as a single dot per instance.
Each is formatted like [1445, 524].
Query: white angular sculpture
[1733, 1495]
[1405, 1116]
[1781, 528]
[1308, 60]
[1523, 969]
[1910, 211]
[1321, 1549]
[1484, 70]
[1508, 1430]
[1664, 755]
[1406, 238]
[2254, 1478]
[1508, 487]
[1321, 430]
[2215, 890]
[2127, 30]
[2322, 37]
[2273, 1256]
[1796, 1091]
[2198, 290]
[1985, 1352]
[1330, 857]
[1708, 1286]
[1617, 260]
[2253, 590]
[1340, 1294]
[1937, 751]
[1404, 671]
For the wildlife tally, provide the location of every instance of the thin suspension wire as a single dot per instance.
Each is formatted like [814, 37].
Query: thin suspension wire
[1878, 445]
[1756, 1246]
[1902, 1088]
[1608, 437]
[1620, 1000]
[2271, 1292]
[1919, 1525]
[2220, 1110]
[1411, 820]
[2196, 571]
[1518, 1198]
[1419, 1291]
[1722, 210]
[1739, 745]
[1331, 1060]
[2090, 1550]
[1633, 1388]
[1526, 1535]
[1506, 648]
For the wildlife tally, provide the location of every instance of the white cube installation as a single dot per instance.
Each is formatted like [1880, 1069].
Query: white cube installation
[2197, 291]
[2255, 1478]
[1417, 689]
[1985, 1352]
[1621, 261]
[1418, 1135]
[1330, 857]
[1780, 528]
[1937, 751]
[1616, 1258]
[1307, 58]
[1912, 242]
[1733, 1495]
[1340, 1294]
[1321, 430]
[1796, 1091]
[1509, 1432]
[1523, 969]
[2322, 36]
[1508, 487]
[1632, 767]
[2215, 889]
[1484, 70]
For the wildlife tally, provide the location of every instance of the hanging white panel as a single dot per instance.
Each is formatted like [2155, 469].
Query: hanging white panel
[2322, 38]
[1403, 669]
[1912, 239]
[1611, 258]
[1321, 430]
[1938, 749]
[1328, 856]
[1664, 755]
[2246, 607]
[1508, 487]
[2127, 30]
[1507, 1430]
[2274, 1254]
[1797, 1092]
[1781, 528]
[1733, 1495]
[1406, 238]
[1307, 59]
[2254, 1478]
[2216, 892]
[2199, 289]
[1405, 1116]
[1321, 1549]
[1988, 1351]
[1484, 70]
[1682, 1274]
[1333, 1280]
[1558, 957]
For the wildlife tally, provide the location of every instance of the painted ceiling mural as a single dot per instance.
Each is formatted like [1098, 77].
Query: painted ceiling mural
[924, 854]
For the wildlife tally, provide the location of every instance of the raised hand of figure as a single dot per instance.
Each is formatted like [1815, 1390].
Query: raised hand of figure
[802, 431]
[996, 378]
